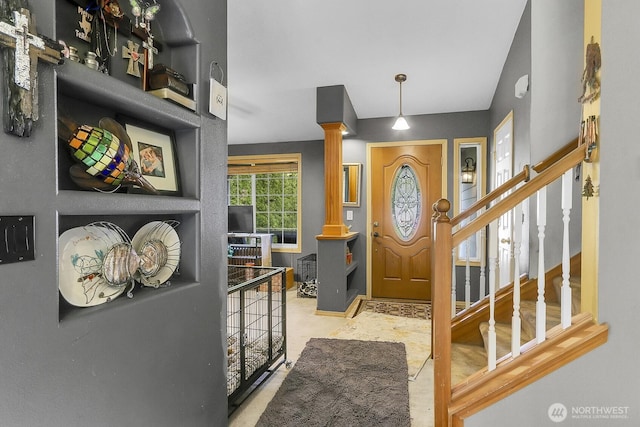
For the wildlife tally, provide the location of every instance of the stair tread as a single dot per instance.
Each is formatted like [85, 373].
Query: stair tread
[466, 359]
[503, 338]
[575, 285]
[528, 315]
[562, 347]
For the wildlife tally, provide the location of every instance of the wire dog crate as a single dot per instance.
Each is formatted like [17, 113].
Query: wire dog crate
[306, 276]
[256, 328]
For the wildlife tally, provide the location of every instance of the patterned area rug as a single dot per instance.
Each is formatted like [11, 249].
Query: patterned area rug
[402, 309]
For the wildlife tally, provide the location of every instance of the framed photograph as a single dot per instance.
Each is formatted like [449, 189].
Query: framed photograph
[154, 151]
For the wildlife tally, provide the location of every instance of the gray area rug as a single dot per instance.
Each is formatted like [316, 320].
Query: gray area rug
[343, 383]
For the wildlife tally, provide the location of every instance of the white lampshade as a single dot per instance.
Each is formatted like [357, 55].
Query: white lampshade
[400, 124]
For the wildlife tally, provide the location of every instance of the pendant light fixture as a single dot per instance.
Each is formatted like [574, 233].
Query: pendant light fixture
[401, 122]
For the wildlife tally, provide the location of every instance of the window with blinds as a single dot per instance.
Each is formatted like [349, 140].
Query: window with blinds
[271, 184]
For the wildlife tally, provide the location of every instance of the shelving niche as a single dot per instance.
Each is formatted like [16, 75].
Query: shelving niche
[86, 95]
[336, 287]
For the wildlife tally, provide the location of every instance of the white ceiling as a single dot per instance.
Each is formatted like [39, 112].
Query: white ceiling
[280, 51]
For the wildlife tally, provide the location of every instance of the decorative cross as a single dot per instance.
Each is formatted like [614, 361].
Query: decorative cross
[22, 41]
[130, 51]
[149, 51]
[21, 103]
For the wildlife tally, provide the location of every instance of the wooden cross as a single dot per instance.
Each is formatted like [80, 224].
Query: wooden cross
[21, 101]
[130, 51]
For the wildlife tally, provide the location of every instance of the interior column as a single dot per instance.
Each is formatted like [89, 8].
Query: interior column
[333, 223]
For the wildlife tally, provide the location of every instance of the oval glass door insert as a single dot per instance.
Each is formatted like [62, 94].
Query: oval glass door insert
[406, 202]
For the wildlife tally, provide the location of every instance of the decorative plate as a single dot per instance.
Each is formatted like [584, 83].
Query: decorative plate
[158, 245]
[82, 251]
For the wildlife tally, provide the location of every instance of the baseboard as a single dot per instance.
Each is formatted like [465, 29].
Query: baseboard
[348, 313]
[330, 313]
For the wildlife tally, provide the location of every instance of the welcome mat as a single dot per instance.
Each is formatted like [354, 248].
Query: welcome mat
[343, 383]
[402, 309]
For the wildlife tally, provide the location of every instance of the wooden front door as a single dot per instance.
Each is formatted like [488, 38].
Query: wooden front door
[405, 182]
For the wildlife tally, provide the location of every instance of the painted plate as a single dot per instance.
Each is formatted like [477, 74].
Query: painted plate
[82, 250]
[158, 244]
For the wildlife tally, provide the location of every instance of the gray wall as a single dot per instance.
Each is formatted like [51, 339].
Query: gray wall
[557, 60]
[312, 191]
[607, 376]
[518, 64]
[155, 361]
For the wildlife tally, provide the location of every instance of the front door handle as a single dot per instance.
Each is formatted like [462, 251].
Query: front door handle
[375, 234]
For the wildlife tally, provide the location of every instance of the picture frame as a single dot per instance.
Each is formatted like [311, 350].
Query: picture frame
[154, 151]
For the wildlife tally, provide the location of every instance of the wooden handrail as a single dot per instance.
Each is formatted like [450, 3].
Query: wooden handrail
[514, 181]
[550, 174]
[546, 163]
[493, 195]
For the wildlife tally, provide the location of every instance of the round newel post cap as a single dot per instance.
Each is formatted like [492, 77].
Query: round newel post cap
[440, 209]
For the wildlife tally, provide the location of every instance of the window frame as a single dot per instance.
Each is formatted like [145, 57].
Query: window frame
[271, 163]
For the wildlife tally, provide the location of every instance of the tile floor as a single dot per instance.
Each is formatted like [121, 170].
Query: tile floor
[302, 324]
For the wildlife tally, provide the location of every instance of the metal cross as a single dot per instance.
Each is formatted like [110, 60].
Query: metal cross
[149, 50]
[20, 101]
[130, 51]
[23, 41]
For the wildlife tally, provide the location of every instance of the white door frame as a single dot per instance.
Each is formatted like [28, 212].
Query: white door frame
[502, 172]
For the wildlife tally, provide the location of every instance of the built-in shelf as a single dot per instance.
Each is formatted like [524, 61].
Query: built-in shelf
[335, 277]
[77, 81]
[351, 267]
[85, 96]
[68, 314]
[71, 202]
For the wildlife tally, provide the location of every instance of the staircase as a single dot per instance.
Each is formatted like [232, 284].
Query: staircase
[471, 357]
[479, 358]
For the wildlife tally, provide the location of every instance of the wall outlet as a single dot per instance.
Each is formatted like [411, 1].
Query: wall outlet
[349, 215]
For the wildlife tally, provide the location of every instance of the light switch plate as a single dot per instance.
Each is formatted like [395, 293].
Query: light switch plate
[349, 215]
[17, 236]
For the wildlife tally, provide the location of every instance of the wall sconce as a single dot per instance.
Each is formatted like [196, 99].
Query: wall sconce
[468, 171]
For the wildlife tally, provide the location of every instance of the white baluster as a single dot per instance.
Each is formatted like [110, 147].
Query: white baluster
[467, 276]
[541, 307]
[516, 322]
[565, 298]
[483, 263]
[453, 283]
[493, 263]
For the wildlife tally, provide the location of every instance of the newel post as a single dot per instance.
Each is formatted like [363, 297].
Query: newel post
[441, 265]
